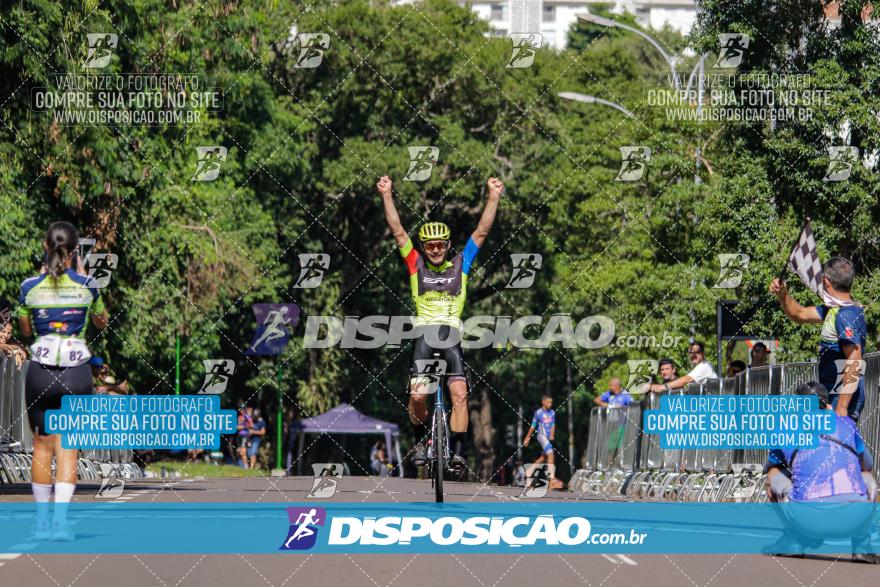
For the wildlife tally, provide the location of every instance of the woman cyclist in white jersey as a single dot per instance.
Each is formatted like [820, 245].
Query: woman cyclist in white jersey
[56, 306]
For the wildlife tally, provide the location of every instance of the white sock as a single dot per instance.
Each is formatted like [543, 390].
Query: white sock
[42, 493]
[63, 495]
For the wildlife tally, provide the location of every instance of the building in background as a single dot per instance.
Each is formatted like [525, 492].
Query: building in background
[553, 18]
[655, 14]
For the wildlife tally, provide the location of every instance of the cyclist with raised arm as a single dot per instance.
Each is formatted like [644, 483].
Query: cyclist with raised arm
[439, 289]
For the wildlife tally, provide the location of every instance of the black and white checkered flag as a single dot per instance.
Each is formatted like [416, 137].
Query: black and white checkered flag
[804, 261]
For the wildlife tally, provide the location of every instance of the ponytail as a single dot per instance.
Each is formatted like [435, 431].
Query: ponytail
[61, 241]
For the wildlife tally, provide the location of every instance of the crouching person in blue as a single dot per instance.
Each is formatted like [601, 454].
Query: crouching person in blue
[836, 477]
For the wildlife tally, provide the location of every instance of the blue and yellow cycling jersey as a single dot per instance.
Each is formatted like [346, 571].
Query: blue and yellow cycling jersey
[60, 306]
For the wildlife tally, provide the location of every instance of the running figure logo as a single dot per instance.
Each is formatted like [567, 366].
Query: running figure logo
[427, 375]
[303, 531]
[841, 161]
[525, 46]
[100, 49]
[327, 478]
[311, 49]
[525, 267]
[210, 159]
[641, 373]
[217, 374]
[538, 476]
[849, 372]
[100, 267]
[421, 162]
[112, 482]
[733, 266]
[313, 266]
[275, 323]
[634, 162]
[732, 48]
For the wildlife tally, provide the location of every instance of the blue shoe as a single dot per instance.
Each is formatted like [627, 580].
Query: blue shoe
[41, 531]
[63, 532]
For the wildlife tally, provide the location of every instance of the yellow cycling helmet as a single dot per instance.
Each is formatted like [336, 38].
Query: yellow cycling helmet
[434, 231]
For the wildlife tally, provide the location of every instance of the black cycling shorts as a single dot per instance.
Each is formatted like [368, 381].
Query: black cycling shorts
[45, 386]
[423, 355]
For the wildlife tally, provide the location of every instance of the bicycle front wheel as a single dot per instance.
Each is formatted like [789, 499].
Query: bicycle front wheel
[439, 443]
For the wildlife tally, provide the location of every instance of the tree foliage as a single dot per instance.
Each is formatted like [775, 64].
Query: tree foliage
[306, 146]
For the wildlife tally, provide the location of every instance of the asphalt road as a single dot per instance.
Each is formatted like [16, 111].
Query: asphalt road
[421, 570]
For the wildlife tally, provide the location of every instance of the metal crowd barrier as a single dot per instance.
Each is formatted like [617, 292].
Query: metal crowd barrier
[641, 469]
[16, 441]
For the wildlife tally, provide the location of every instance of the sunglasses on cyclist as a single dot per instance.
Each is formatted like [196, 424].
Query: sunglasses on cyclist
[437, 246]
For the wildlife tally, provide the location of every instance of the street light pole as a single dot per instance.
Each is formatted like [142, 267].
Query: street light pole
[585, 99]
[698, 70]
[611, 24]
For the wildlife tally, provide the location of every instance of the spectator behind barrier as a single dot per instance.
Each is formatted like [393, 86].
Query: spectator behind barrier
[257, 432]
[245, 423]
[615, 397]
[759, 354]
[838, 472]
[842, 337]
[668, 371]
[735, 367]
[104, 379]
[700, 372]
[379, 459]
[8, 345]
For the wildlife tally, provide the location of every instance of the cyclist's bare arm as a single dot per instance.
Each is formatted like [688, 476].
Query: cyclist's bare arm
[24, 323]
[488, 218]
[528, 435]
[101, 320]
[391, 216]
[794, 311]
